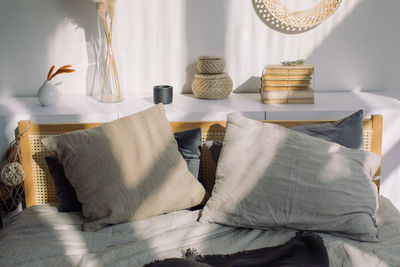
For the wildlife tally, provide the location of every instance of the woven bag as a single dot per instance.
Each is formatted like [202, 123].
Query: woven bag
[12, 175]
[212, 86]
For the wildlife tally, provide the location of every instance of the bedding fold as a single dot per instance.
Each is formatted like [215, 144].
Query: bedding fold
[41, 236]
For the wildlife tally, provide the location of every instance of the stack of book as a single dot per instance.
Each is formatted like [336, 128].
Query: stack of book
[287, 84]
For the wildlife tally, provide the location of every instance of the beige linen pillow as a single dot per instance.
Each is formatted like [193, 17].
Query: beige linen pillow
[127, 169]
[291, 180]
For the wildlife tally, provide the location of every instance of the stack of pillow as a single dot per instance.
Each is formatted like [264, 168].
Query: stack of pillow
[313, 177]
[127, 169]
[291, 180]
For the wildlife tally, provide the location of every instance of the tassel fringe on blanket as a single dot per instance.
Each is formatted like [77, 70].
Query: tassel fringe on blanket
[305, 249]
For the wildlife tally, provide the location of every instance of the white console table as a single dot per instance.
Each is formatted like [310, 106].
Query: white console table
[186, 107]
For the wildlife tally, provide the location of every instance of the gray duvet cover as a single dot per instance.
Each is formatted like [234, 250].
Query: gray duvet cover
[41, 236]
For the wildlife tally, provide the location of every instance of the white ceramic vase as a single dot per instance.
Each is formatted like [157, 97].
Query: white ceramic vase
[48, 94]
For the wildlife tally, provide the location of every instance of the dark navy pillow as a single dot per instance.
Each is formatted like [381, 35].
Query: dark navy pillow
[189, 145]
[347, 132]
[67, 200]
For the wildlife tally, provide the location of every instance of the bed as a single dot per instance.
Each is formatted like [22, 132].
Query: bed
[40, 235]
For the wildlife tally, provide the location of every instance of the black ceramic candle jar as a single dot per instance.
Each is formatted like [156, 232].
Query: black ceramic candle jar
[162, 94]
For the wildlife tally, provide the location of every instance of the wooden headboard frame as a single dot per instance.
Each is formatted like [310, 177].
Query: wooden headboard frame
[39, 187]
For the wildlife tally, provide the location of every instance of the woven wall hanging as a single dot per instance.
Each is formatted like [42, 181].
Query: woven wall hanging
[280, 18]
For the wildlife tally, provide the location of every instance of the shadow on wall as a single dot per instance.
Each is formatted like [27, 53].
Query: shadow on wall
[205, 25]
[84, 15]
[19, 26]
[353, 49]
[33, 41]
[191, 69]
[251, 85]
[359, 54]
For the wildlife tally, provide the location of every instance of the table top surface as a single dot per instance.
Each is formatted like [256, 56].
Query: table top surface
[187, 107]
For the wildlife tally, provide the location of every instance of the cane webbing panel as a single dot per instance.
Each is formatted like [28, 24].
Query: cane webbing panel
[44, 186]
[367, 139]
[208, 164]
[39, 187]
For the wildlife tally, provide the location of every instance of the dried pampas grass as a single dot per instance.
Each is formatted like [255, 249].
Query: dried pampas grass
[106, 9]
[63, 69]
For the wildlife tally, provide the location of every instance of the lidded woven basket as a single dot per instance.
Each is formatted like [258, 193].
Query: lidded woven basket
[215, 86]
[210, 64]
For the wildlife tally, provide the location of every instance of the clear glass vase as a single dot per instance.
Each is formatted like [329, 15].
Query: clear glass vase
[108, 87]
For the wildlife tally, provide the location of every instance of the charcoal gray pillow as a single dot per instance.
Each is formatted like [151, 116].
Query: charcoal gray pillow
[348, 132]
[189, 145]
[291, 180]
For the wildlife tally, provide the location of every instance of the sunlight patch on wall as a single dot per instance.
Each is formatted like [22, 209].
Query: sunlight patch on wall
[158, 41]
[67, 45]
[250, 44]
[5, 89]
[150, 36]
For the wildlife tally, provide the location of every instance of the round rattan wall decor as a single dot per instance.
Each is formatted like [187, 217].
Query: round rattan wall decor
[279, 17]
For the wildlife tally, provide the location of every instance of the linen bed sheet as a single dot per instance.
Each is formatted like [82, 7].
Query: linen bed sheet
[41, 236]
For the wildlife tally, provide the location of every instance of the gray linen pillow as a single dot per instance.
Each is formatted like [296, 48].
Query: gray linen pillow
[127, 169]
[348, 132]
[291, 180]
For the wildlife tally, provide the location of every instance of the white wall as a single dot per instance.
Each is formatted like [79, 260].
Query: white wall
[158, 41]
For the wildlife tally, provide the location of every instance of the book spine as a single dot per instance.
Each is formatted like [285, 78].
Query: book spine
[287, 101]
[300, 93]
[275, 94]
[288, 71]
[285, 94]
[300, 100]
[284, 88]
[286, 82]
[273, 77]
[274, 101]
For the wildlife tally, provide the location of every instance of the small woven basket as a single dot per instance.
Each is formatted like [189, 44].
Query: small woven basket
[215, 86]
[210, 64]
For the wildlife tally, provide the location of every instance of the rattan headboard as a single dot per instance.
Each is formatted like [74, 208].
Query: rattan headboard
[39, 187]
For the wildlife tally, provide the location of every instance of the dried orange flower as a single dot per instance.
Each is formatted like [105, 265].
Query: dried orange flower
[63, 69]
